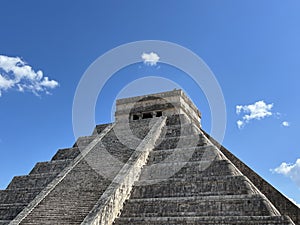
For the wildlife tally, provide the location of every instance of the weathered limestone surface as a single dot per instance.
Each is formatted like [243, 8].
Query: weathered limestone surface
[112, 200]
[23, 189]
[144, 169]
[282, 203]
[65, 189]
[224, 220]
[78, 187]
[203, 188]
[57, 195]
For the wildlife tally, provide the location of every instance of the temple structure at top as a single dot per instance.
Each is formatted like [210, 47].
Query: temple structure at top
[156, 105]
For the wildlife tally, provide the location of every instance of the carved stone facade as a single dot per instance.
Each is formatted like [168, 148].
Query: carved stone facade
[155, 105]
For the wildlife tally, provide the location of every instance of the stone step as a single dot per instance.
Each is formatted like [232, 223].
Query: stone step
[136, 129]
[67, 153]
[31, 181]
[117, 149]
[120, 146]
[99, 128]
[82, 142]
[9, 211]
[224, 220]
[188, 170]
[76, 194]
[120, 140]
[71, 199]
[181, 142]
[209, 186]
[225, 205]
[64, 207]
[205, 153]
[4, 222]
[53, 221]
[50, 167]
[177, 120]
[180, 130]
[18, 196]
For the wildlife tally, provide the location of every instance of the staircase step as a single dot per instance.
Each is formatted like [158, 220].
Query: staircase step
[177, 120]
[138, 129]
[18, 196]
[82, 142]
[207, 153]
[67, 153]
[99, 128]
[180, 130]
[133, 129]
[224, 220]
[180, 142]
[50, 167]
[226, 205]
[72, 198]
[188, 170]
[120, 140]
[210, 186]
[9, 211]
[4, 222]
[31, 181]
[118, 150]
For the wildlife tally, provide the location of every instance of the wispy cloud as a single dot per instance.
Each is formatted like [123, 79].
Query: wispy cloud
[150, 59]
[291, 170]
[257, 111]
[16, 74]
[285, 124]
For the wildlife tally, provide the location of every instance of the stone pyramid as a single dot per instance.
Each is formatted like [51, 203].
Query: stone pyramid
[154, 165]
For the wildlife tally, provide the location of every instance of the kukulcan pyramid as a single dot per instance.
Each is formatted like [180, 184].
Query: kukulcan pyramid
[153, 166]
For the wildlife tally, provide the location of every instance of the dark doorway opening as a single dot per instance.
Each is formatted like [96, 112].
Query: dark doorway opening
[147, 115]
[135, 117]
[158, 113]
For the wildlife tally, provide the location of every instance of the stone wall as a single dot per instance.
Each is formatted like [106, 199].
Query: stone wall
[282, 203]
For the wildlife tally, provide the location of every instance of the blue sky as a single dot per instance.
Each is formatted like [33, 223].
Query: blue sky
[252, 47]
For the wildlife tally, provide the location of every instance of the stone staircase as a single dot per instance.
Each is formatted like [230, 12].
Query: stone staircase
[187, 180]
[71, 198]
[23, 189]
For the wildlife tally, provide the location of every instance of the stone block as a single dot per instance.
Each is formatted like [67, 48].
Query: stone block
[236, 205]
[67, 153]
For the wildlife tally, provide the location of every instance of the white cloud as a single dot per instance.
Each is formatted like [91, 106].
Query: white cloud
[17, 74]
[239, 109]
[258, 111]
[5, 83]
[240, 124]
[150, 59]
[285, 124]
[290, 170]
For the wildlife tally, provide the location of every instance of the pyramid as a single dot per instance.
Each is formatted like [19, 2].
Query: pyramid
[154, 165]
